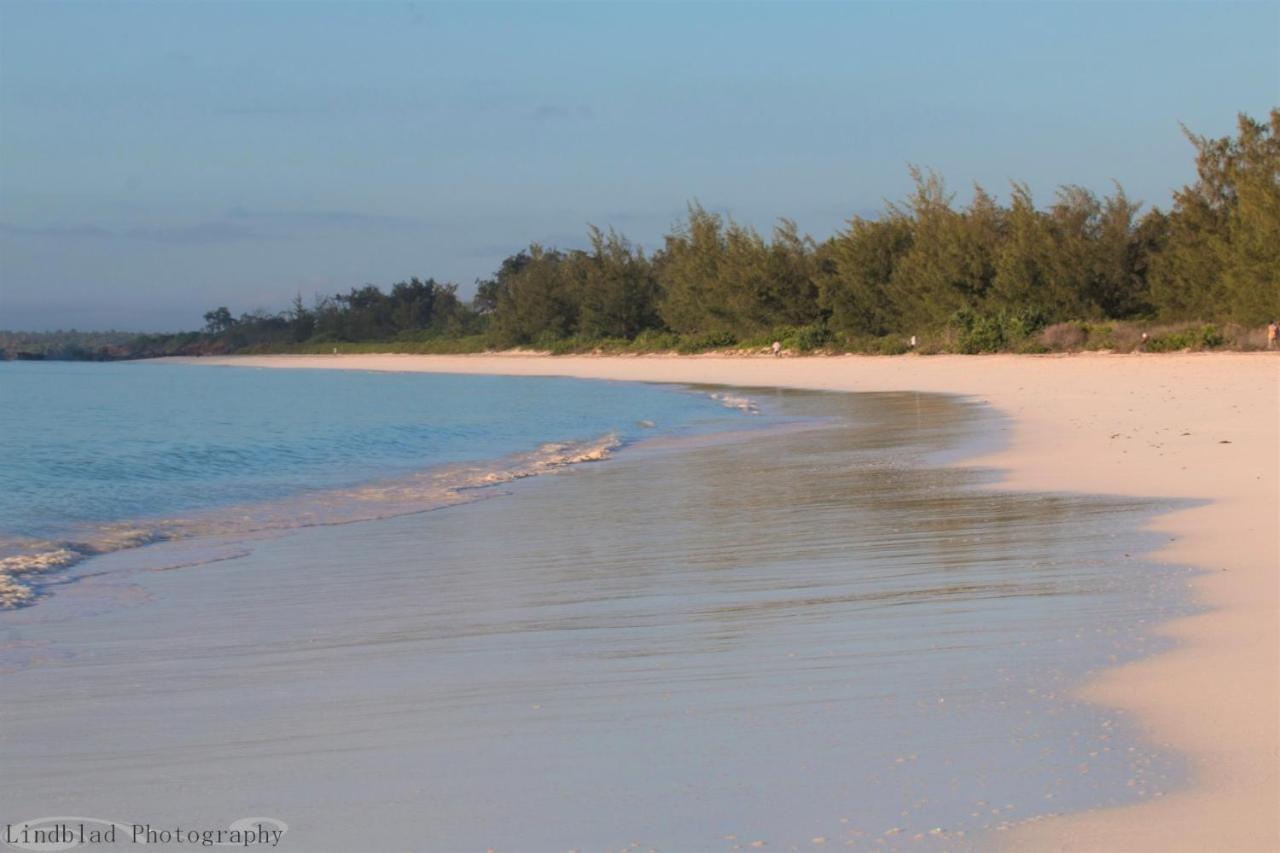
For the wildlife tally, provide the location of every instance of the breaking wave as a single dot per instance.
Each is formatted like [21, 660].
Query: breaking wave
[23, 561]
[736, 401]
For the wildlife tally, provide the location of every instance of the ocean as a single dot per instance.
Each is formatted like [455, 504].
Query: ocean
[707, 619]
[99, 457]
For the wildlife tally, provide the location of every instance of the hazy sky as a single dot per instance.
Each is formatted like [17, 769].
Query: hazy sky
[159, 159]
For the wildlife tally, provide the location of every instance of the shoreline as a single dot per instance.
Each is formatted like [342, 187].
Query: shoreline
[1189, 426]
[833, 635]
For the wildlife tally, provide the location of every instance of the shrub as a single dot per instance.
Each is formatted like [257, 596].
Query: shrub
[1125, 337]
[547, 341]
[892, 345]
[702, 343]
[1032, 345]
[1064, 337]
[1192, 338]
[562, 346]
[945, 341]
[993, 332]
[808, 338]
[1099, 336]
[1244, 338]
[979, 333]
[653, 340]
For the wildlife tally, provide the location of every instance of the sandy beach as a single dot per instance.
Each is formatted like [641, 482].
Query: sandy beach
[1204, 427]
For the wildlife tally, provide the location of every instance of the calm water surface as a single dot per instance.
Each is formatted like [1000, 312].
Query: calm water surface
[805, 635]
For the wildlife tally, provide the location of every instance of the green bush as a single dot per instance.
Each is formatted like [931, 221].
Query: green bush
[994, 332]
[1031, 345]
[702, 343]
[979, 332]
[892, 345]
[1194, 338]
[653, 340]
[807, 338]
[1099, 336]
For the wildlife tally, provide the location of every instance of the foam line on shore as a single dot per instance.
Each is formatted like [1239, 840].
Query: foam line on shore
[24, 561]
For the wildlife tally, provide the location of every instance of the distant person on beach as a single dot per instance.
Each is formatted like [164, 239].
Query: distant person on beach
[1273, 329]
[777, 348]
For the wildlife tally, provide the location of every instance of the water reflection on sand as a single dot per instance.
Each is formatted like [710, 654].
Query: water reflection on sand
[813, 636]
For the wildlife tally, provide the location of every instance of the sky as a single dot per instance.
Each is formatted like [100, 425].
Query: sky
[158, 159]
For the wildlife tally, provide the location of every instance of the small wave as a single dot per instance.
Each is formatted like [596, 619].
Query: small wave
[735, 401]
[15, 591]
[22, 560]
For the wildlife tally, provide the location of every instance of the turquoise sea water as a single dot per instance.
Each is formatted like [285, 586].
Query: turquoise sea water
[96, 457]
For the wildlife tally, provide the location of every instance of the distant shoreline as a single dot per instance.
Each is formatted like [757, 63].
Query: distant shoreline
[1194, 426]
[1077, 337]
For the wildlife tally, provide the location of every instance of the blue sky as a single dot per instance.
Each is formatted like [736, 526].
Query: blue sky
[159, 159]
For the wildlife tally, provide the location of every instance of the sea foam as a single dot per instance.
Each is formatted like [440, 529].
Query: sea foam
[22, 561]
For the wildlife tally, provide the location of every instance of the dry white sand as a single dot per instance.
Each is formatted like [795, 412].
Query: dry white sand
[1201, 426]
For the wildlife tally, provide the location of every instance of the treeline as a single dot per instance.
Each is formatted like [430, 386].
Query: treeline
[924, 266]
[68, 345]
[417, 308]
[985, 276]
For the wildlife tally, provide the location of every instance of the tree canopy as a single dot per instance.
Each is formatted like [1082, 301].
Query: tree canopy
[922, 265]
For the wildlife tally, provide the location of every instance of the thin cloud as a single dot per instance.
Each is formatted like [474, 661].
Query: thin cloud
[236, 225]
[199, 234]
[55, 231]
[319, 217]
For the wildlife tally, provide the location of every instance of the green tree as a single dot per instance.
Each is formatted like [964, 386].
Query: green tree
[302, 322]
[951, 264]
[688, 270]
[857, 268]
[218, 320]
[1252, 254]
[1122, 256]
[1025, 264]
[1222, 254]
[719, 277]
[790, 292]
[538, 302]
[618, 291]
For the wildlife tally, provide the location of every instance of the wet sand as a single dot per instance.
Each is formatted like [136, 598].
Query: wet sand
[810, 634]
[1194, 426]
